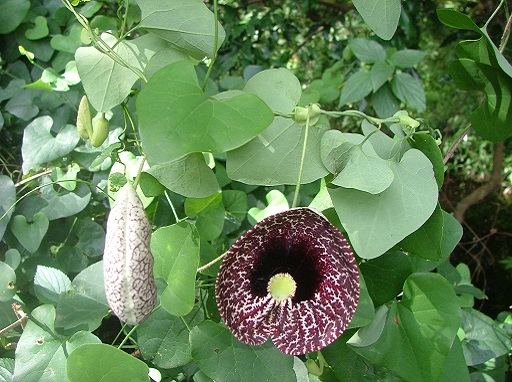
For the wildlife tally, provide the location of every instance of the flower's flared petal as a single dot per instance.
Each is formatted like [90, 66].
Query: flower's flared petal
[245, 315]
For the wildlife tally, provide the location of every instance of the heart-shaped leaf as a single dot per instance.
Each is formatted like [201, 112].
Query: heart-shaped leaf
[39, 145]
[381, 15]
[69, 43]
[39, 31]
[106, 82]
[30, 234]
[176, 118]
[374, 223]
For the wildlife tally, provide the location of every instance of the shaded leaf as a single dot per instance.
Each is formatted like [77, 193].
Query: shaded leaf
[176, 252]
[102, 362]
[366, 50]
[222, 357]
[40, 147]
[8, 192]
[381, 15]
[49, 283]
[356, 88]
[409, 90]
[187, 24]
[407, 58]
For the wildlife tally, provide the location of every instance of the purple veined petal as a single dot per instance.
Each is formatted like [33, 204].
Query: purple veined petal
[302, 244]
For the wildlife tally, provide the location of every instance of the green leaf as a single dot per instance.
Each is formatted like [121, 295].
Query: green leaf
[175, 249]
[380, 73]
[365, 311]
[85, 304]
[275, 153]
[364, 172]
[150, 186]
[187, 24]
[30, 235]
[49, 283]
[62, 203]
[163, 339]
[456, 20]
[235, 203]
[374, 223]
[13, 258]
[348, 366]
[66, 179]
[8, 192]
[209, 214]
[173, 101]
[276, 202]
[40, 147]
[189, 176]
[69, 43]
[455, 369]
[273, 157]
[7, 282]
[91, 237]
[223, 358]
[279, 88]
[426, 143]
[40, 29]
[12, 13]
[106, 82]
[356, 88]
[483, 339]
[426, 242]
[407, 58]
[102, 362]
[409, 90]
[385, 276]
[493, 119]
[368, 51]
[6, 369]
[381, 15]
[40, 353]
[384, 102]
[418, 332]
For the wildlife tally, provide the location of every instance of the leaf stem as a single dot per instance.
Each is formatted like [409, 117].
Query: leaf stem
[125, 339]
[208, 265]
[215, 45]
[302, 159]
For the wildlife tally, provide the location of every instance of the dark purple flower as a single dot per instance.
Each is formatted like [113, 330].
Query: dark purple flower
[292, 277]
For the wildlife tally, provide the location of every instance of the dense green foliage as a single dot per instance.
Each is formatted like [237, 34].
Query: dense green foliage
[221, 115]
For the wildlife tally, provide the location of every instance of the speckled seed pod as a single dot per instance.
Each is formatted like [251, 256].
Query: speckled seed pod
[127, 260]
[292, 277]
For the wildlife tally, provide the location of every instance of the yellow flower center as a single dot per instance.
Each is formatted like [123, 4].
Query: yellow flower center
[281, 287]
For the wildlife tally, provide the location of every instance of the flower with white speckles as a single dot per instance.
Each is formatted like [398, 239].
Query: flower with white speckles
[292, 277]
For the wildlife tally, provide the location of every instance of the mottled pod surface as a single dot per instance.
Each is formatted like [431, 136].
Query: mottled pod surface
[292, 277]
[127, 260]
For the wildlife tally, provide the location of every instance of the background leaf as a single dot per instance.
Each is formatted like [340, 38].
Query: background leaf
[381, 15]
[419, 330]
[40, 354]
[176, 252]
[408, 89]
[356, 88]
[49, 283]
[187, 24]
[40, 147]
[222, 357]
[12, 13]
[7, 282]
[8, 192]
[101, 362]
